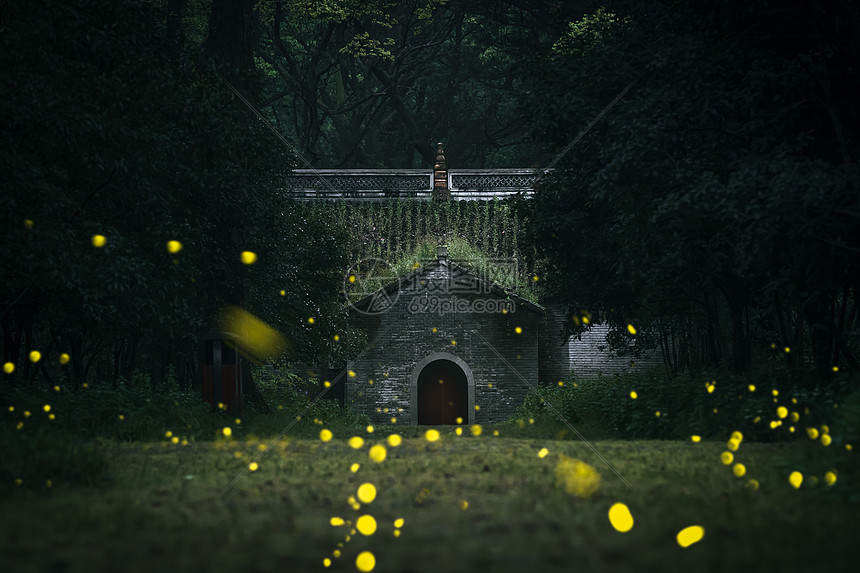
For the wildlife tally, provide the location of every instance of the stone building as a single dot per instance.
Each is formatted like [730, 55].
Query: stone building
[444, 344]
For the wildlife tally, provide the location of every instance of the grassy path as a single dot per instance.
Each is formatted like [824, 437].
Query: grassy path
[468, 504]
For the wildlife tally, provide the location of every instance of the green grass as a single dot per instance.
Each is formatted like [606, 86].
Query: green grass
[190, 508]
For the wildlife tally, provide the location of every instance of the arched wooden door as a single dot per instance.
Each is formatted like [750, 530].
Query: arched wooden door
[442, 394]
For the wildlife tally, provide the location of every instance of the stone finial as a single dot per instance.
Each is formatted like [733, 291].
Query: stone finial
[442, 252]
[440, 175]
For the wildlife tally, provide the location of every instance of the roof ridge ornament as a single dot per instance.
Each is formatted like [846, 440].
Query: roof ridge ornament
[440, 176]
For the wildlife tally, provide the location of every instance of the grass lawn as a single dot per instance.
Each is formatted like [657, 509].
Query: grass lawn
[468, 504]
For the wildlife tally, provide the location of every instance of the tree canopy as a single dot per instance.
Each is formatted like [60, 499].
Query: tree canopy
[714, 206]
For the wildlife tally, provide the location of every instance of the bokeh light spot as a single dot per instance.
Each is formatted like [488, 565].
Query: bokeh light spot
[377, 453]
[366, 525]
[690, 535]
[620, 517]
[326, 435]
[366, 492]
[543, 453]
[248, 257]
[99, 241]
[35, 356]
[739, 470]
[256, 336]
[365, 561]
[631, 329]
[795, 479]
[431, 435]
[356, 442]
[174, 247]
[727, 458]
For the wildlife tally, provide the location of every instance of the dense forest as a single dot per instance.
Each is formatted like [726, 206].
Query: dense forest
[705, 183]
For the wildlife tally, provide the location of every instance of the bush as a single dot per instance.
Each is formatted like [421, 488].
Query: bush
[709, 405]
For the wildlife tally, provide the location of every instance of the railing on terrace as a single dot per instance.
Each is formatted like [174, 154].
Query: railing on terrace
[384, 184]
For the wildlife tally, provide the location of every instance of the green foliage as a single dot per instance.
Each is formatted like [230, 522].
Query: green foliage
[375, 83]
[38, 457]
[713, 206]
[603, 407]
[111, 130]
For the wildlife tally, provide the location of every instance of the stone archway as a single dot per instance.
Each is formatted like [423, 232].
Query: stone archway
[442, 389]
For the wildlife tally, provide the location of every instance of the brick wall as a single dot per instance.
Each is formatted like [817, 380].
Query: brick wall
[501, 363]
[590, 357]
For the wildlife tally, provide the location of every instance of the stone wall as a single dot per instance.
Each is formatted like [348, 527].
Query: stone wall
[502, 363]
[590, 357]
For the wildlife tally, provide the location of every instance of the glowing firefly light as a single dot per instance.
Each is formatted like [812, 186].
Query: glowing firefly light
[366, 525]
[99, 241]
[365, 561]
[690, 535]
[377, 453]
[795, 479]
[366, 492]
[174, 247]
[620, 517]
